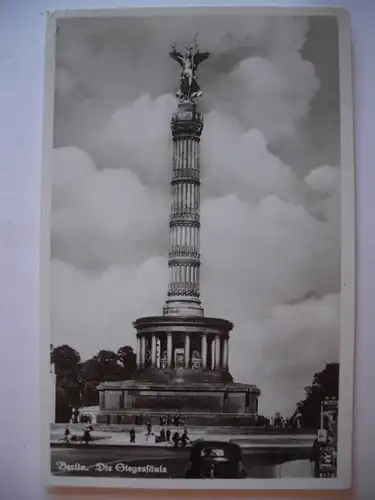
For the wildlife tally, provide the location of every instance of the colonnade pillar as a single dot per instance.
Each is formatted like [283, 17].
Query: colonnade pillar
[213, 354]
[187, 350]
[217, 353]
[169, 350]
[153, 351]
[204, 351]
[225, 354]
[142, 351]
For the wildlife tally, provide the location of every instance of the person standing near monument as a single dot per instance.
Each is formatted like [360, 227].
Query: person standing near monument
[132, 435]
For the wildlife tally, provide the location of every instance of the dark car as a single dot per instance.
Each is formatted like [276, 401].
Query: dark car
[215, 460]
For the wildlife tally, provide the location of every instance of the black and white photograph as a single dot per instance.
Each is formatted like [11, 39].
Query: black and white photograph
[198, 234]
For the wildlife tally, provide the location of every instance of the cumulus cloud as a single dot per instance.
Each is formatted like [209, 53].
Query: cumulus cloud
[270, 239]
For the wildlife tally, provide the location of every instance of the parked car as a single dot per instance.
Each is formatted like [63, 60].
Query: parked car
[215, 460]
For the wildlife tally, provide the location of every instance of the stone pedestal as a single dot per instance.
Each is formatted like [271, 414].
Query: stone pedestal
[198, 403]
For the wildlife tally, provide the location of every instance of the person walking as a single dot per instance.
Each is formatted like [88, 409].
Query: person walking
[162, 434]
[132, 435]
[176, 439]
[149, 430]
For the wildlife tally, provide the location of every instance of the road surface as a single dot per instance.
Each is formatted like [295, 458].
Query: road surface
[157, 462]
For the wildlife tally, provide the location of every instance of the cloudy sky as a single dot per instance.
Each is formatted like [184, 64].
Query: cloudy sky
[270, 156]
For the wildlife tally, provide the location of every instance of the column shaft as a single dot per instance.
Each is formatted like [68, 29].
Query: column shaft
[142, 346]
[187, 350]
[213, 343]
[183, 288]
[158, 351]
[217, 353]
[204, 351]
[169, 350]
[153, 351]
[225, 354]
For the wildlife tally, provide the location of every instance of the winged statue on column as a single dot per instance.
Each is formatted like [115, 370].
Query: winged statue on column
[189, 62]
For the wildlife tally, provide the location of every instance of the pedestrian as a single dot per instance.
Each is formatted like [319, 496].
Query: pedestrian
[184, 439]
[162, 434]
[132, 435]
[67, 435]
[168, 435]
[149, 430]
[87, 436]
[176, 439]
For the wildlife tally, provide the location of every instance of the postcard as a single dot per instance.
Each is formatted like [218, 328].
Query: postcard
[197, 249]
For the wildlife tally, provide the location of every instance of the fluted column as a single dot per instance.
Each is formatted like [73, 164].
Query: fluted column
[184, 258]
[153, 351]
[187, 350]
[169, 350]
[217, 353]
[225, 354]
[213, 344]
[204, 351]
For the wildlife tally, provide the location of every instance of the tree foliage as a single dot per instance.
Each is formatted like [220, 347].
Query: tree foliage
[77, 380]
[324, 384]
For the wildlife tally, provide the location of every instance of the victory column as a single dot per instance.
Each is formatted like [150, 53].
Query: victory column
[182, 356]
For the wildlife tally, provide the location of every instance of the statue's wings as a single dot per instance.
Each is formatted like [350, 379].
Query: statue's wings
[177, 56]
[200, 57]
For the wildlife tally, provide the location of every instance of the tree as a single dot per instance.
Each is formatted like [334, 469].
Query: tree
[324, 384]
[67, 369]
[65, 358]
[108, 366]
[128, 360]
[63, 409]
[105, 366]
[77, 380]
